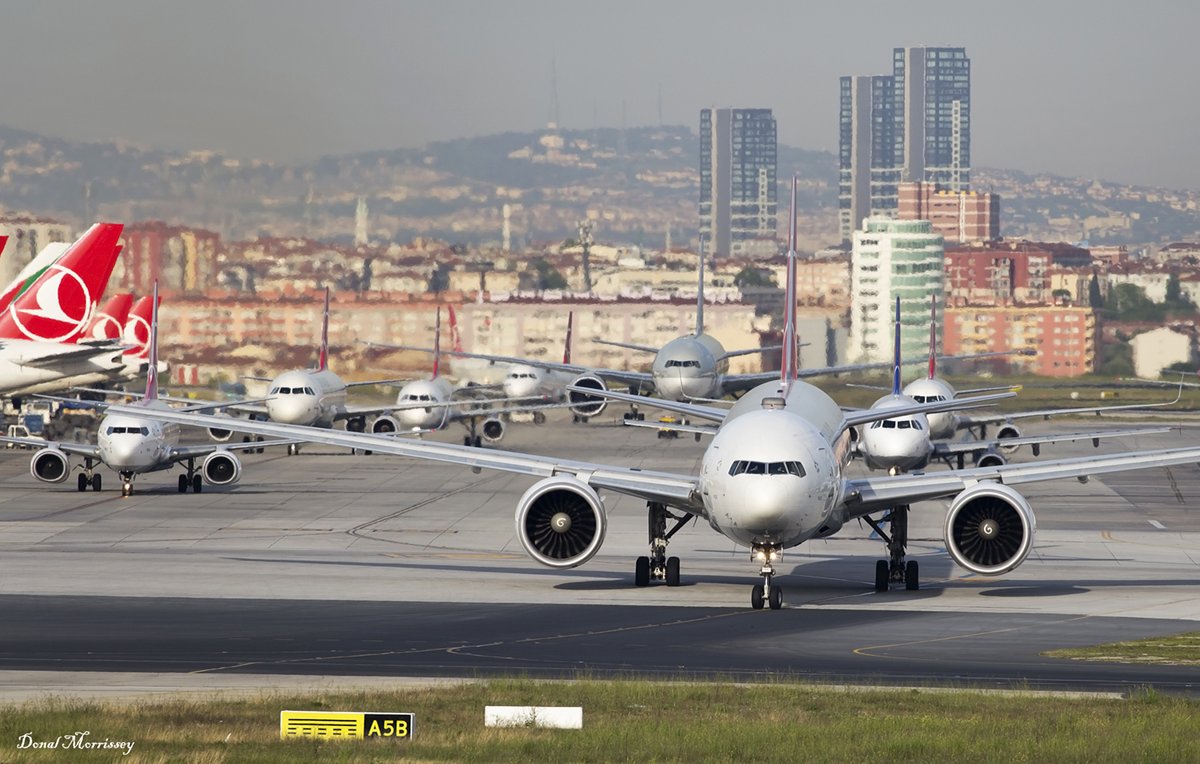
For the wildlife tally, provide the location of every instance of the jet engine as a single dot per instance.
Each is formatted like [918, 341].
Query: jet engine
[50, 465]
[561, 521]
[989, 529]
[584, 405]
[220, 434]
[1008, 430]
[221, 468]
[384, 425]
[493, 429]
[990, 458]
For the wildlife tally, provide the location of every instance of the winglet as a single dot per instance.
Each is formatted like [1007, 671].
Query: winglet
[896, 353]
[152, 360]
[323, 358]
[437, 343]
[933, 338]
[567, 345]
[789, 368]
[700, 294]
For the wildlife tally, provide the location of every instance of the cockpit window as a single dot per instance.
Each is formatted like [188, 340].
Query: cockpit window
[744, 467]
[309, 391]
[674, 364]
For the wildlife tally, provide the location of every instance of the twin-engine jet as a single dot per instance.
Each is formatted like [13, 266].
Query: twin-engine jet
[772, 478]
[131, 443]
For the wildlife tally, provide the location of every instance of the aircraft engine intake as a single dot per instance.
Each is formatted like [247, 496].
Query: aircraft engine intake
[221, 468]
[493, 429]
[50, 465]
[1008, 430]
[989, 529]
[561, 521]
[990, 458]
[585, 405]
[220, 434]
[384, 425]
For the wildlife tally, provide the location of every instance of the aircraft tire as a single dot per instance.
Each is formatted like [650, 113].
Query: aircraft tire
[756, 597]
[672, 571]
[641, 572]
[881, 575]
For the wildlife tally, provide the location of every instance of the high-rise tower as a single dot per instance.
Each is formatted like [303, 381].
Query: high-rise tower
[738, 149]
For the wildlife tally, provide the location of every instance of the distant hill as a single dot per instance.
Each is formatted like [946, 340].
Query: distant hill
[636, 183]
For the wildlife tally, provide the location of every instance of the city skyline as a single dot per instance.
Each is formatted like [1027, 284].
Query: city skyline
[1068, 91]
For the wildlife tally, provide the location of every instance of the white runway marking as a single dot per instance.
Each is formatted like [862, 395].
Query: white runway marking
[1157, 524]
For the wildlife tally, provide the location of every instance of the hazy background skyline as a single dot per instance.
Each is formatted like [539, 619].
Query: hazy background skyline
[1099, 90]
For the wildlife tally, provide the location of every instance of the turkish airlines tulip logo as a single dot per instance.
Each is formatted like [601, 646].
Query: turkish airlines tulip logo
[105, 327]
[63, 307]
[137, 333]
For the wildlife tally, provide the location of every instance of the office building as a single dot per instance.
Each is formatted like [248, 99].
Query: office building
[867, 140]
[890, 259]
[738, 181]
[959, 216]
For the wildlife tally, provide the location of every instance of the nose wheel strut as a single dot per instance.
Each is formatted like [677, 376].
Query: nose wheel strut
[768, 592]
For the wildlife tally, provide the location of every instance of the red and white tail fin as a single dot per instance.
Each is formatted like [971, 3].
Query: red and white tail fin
[455, 337]
[933, 338]
[437, 343]
[58, 306]
[152, 350]
[137, 328]
[567, 344]
[29, 274]
[109, 321]
[790, 366]
[323, 356]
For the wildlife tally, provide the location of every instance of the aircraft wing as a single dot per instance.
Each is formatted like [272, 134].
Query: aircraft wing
[80, 353]
[981, 419]
[862, 496]
[195, 452]
[628, 346]
[694, 410]
[76, 449]
[944, 448]
[679, 491]
[698, 429]
[865, 416]
[368, 383]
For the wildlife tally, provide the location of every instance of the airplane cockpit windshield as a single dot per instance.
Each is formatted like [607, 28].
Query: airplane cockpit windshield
[743, 467]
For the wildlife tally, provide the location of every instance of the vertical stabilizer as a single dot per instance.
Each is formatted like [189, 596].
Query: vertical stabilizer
[933, 338]
[567, 345]
[437, 343]
[896, 353]
[455, 337]
[152, 359]
[789, 367]
[323, 357]
[700, 293]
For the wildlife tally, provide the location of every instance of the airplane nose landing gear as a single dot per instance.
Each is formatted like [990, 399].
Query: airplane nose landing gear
[767, 592]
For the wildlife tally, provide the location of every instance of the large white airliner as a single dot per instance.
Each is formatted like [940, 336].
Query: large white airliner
[772, 478]
[131, 444]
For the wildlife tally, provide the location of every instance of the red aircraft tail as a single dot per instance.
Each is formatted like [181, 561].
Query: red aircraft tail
[152, 350]
[137, 328]
[109, 321]
[58, 306]
[567, 345]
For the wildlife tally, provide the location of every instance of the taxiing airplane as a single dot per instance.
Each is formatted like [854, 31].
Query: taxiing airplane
[772, 478]
[131, 444]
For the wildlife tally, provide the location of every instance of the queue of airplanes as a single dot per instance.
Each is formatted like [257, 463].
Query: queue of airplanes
[772, 477]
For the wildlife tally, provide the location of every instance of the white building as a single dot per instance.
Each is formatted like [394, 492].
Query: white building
[1157, 349]
[890, 259]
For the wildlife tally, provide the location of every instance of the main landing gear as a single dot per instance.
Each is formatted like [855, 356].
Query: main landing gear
[88, 477]
[192, 478]
[657, 565]
[895, 570]
[766, 592]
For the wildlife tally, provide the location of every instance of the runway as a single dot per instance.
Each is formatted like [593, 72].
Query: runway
[333, 564]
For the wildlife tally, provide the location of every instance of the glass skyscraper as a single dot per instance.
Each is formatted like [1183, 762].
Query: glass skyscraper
[914, 125]
[738, 149]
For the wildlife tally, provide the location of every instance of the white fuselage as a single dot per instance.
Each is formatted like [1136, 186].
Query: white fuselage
[896, 445]
[432, 391]
[136, 444]
[27, 367]
[774, 477]
[689, 367]
[524, 382]
[309, 398]
[942, 425]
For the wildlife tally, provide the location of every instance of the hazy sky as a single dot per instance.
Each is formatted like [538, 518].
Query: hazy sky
[1099, 89]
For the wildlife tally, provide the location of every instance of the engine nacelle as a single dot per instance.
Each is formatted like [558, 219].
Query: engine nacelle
[989, 529]
[584, 405]
[1008, 430]
[561, 521]
[50, 465]
[492, 429]
[990, 458]
[221, 468]
[220, 434]
[384, 425]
